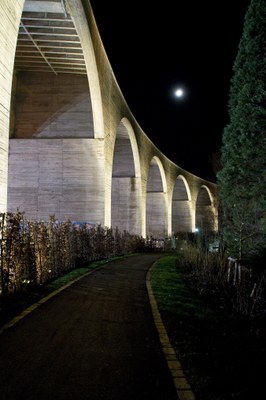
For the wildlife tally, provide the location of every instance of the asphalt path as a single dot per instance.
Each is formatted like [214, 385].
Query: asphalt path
[94, 340]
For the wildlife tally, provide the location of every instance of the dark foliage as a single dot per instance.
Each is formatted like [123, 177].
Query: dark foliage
[242, 180]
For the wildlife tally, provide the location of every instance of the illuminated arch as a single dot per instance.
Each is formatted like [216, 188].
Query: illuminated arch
[156, 201]
[126, 184]
[205, 217]
[77, 12]
[181, 206]
[58, 169]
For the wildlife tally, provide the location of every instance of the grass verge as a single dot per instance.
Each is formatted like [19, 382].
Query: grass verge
[223, 357]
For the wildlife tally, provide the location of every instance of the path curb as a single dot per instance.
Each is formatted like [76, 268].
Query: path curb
[183, 389]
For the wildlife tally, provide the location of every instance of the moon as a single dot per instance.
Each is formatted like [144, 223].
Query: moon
[179, 92]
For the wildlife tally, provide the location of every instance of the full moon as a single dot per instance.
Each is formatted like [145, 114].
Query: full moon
[179, 92]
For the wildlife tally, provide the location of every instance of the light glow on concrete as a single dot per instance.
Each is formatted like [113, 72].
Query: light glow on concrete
[89, 171]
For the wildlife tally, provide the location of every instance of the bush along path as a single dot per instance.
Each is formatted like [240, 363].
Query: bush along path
[223, 354]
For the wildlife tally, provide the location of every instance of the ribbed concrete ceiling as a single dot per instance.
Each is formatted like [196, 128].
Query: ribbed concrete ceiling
[48, 40]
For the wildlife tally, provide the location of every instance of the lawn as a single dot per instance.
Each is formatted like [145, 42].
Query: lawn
[223, 357]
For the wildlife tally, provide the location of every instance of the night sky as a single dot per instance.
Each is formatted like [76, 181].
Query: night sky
[154, 47]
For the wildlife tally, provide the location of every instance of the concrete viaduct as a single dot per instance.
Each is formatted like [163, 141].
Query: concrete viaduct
[69, 144]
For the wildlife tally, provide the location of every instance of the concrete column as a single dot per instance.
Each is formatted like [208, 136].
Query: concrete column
[10, 14]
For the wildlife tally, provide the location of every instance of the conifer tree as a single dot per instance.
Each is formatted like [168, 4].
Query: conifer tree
[242, 179]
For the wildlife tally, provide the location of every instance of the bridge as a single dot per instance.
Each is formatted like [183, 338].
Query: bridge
[69, 144]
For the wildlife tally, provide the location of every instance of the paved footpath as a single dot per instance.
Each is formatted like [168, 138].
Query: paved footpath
[94, 340]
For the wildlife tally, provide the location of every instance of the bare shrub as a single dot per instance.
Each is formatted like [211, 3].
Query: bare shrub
[34, 252]
[228, 284]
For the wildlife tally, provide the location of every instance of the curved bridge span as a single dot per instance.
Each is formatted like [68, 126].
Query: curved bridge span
[69, 144]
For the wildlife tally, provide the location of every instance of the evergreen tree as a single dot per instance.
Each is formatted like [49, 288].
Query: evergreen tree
[242, 179]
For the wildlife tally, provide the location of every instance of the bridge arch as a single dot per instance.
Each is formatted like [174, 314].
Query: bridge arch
[64, 163]
[82, 25]
[156, 200]
[57, 106]
[205, 210]
[126, 182]
[181, 206]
